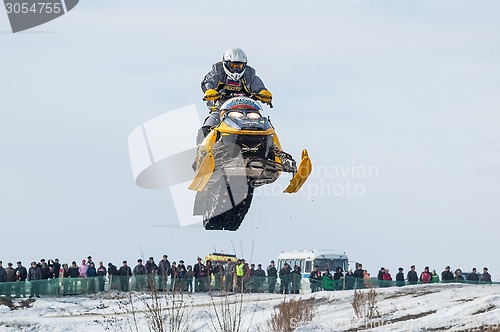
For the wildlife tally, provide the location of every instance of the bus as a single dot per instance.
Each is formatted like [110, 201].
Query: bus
[307, 259]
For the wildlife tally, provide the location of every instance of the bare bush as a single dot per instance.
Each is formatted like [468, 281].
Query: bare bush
[167, 312]
[291, 314]
[226, 311]
[163, 311]
[365, 304]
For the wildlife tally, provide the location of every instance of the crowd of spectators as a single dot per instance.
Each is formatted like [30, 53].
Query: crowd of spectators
[51, 277]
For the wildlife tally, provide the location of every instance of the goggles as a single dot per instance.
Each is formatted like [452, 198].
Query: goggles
[236, 65]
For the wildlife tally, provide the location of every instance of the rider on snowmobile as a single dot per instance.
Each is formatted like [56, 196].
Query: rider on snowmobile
[229, 77]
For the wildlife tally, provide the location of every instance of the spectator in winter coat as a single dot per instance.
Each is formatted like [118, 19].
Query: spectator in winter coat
[338, 278]
[426, 276]
[327, 280]
[209, 273]
[181, 274]
[284, 274]
[272, 277]
[260, 277]
[473, 277]
[82, 273]
[412, 276]
[435, 277]
[45, 270]
[73, 270]
[2, 275]
[189, 279]
[400, 278]
[91, 274]
[173, 275]
[72, 274]
[55, 268]
[82, 270]
[349, 280]
[296, 279]
[114, 276]
[10, 273]
[10, 277]
[21, 275]
[380, 275]
[151, 269]
[359, 274]
[200, 272]
[219, 275]
[91, 271]
[34, 276]
[447, 275]
[486, 277]
[250, 281]
[2, 279]
[140, 276]
[386, 278]
[125, 273]
[246, 277]
[163, 271]
[101, 276]
[315, 279]
[458, 275]
[366, 279]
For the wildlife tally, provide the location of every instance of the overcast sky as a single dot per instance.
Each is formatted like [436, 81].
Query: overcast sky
[396, 99]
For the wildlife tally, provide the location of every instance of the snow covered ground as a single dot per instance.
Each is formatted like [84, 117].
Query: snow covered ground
[436, 307]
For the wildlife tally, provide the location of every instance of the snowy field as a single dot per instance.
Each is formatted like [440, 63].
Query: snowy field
[437, 307]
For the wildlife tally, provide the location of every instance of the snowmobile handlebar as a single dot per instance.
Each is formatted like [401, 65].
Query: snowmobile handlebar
[223, 93]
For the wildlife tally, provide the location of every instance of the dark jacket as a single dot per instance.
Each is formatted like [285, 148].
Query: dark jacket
[34, 273]
[473, 277]
[164, 267]
[400, 279]
[112, 270]
[181, 271]
[23, 273]
[216, 79]
[315, 276]
[2, 274]
[272, 271]
[125, 271]
[486, 277]
[447, 276]
[45, 270]
[199, 270]
[55, 269]
[10, 274]
[139, 270]
[101, 271]
[412, 277]
[285, 273]
[91, 271]
[73, 272]
[151, 267]
[358, 273]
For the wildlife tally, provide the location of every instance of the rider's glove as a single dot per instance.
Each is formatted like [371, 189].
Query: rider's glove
[264, 96]
[211, 94]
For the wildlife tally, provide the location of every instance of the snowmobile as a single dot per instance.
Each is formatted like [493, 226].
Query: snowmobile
[240, 154]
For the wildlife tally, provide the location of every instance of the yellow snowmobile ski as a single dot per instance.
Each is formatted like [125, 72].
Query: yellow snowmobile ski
[303, 171]
[204, 173]
[206, 166]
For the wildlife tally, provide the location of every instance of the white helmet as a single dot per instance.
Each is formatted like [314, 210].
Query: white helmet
[234, 63]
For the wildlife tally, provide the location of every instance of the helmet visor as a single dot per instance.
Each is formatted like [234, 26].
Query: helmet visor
[236, 66]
